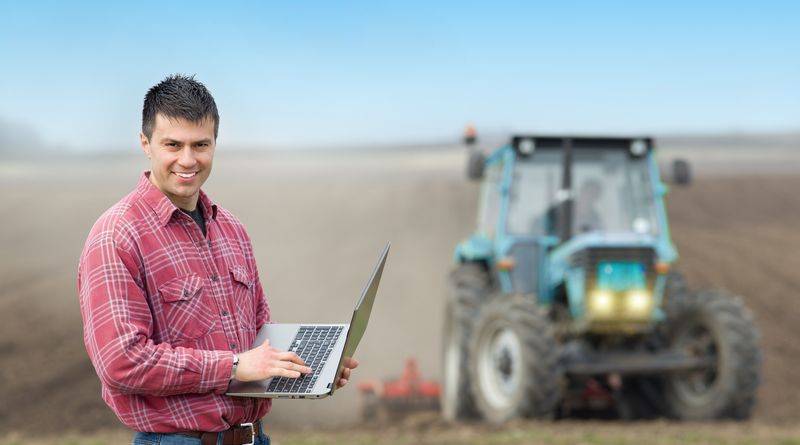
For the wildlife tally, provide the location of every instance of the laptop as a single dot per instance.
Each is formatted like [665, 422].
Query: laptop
[322, 347]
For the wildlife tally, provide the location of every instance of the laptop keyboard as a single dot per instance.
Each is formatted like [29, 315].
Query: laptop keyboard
[314, 345]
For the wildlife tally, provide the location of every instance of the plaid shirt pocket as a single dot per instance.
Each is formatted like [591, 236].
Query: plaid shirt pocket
[188, 311]
[243, 296]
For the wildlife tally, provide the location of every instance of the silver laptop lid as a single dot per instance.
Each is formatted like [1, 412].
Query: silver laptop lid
[358, 324]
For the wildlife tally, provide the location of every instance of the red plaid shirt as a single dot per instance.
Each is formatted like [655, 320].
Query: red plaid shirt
[164, 308]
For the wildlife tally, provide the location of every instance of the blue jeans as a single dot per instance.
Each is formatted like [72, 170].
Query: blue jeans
[180, 439]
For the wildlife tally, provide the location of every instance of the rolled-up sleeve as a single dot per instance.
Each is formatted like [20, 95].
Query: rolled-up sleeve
[118, 325]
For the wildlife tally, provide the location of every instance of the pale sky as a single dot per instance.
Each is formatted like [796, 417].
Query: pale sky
[366, 72]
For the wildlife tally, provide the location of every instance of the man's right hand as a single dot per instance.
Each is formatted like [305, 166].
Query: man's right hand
[265, 361]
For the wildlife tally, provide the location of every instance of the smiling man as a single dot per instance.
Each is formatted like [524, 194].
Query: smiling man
[170, 294]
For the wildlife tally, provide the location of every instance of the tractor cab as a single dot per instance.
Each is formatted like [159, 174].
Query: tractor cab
[579, 222]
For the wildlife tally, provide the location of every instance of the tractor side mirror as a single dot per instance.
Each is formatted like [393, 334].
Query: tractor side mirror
[475, 165]
[681, 172]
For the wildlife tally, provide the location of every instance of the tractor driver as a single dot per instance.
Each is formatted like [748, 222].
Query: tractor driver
[587, 218]
[170, 294]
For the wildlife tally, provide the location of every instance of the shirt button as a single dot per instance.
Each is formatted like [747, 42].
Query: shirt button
[224, 313]
[214, 277]
[209, 244]
[233, 346]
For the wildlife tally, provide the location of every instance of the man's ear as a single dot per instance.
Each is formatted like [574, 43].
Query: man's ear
[145, 142]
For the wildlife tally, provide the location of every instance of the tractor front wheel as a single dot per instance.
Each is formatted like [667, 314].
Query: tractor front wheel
[515, 371]
[470, 284]
[717, 327]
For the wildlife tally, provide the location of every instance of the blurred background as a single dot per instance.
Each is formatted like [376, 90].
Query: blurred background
[341, 129]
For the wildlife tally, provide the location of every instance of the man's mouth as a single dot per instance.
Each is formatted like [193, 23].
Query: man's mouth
[188, 175]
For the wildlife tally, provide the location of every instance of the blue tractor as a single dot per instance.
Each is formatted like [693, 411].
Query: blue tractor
[565, 300]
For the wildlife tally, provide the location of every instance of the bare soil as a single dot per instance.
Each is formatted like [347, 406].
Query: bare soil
[318, 223]
[426, 430]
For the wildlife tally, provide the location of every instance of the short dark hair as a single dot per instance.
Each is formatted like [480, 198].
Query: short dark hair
[178, 96]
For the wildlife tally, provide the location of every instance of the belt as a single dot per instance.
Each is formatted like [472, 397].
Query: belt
[242, 434]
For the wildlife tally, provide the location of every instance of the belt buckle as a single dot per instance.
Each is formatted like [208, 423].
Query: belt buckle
[252, 432]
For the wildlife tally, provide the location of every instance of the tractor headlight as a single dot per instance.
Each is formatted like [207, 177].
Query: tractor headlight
[601, 304]
[639, 303]
[609, 305]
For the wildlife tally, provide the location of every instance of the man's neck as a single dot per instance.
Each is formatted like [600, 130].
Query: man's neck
[189, 204]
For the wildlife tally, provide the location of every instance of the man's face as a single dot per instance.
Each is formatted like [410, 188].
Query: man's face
[180, 155]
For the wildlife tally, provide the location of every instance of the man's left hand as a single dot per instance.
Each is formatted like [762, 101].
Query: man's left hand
[349, 365]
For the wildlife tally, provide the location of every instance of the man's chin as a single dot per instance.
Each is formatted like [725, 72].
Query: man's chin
[183, 192]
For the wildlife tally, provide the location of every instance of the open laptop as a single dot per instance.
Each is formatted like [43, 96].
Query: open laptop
[322, 347]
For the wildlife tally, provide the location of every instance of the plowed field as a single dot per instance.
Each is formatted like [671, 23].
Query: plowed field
[318, 223]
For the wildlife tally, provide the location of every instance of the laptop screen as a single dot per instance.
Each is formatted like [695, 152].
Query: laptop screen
[358, 324]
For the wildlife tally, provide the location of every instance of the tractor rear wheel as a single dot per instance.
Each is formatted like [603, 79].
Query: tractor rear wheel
[470, 284]
[515, 370]
[717, 326]
[675, 286]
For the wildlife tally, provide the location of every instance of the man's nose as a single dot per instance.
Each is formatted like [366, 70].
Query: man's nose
[186, 158]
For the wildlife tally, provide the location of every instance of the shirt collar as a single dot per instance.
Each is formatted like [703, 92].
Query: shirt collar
[163, 207]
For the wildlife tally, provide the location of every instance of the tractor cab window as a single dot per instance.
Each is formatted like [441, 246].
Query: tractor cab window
[612, 193]
[532, 200]
[490, 199]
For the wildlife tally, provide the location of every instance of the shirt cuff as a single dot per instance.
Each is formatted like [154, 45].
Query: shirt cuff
[216, 374]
